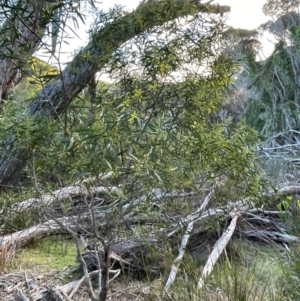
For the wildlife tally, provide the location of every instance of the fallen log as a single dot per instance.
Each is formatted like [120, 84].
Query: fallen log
[135, 255]
[80, 191]
[285, 191]
[13, 242]
[59, 196]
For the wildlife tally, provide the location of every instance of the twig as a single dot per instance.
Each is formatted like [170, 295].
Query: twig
[75, 285]
[86, 273]
[75, 289]
[116, 272]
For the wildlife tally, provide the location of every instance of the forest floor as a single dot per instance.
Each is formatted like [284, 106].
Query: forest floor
[251, 271]
[51, 262]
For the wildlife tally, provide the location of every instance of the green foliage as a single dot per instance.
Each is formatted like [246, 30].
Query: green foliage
[241, 33]
[254, 114]
[284, 207]
[40, 72]
[153, 127]
[290, 266]
[244, 45]
[35, 74]
[10, 221]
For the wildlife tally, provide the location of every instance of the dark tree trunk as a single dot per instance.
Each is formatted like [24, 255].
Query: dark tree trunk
[92, 92]
[20, 37]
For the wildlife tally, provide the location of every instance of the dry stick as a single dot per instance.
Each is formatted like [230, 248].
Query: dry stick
[56, 295]
[116, 272]
[269, 212]
[184, 242]
[197, 217]
[20, 296]
[285, 191]
[86, 273]
[178, 259]
[217, 250]
[78, 285]
[91, 180]
[3, 259]
[271, 236]
[126, 289]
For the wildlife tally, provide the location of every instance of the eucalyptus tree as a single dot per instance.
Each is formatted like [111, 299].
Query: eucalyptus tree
[271, 90]
[276, 8]
[273, 108]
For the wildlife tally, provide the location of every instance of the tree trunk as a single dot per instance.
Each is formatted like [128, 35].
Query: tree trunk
[56, 96]
[20, 36]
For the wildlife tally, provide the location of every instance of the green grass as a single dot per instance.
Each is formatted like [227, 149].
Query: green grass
[49, 254]
[260, 272]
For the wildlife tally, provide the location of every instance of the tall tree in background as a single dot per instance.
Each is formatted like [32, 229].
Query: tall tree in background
[274, 109]
[277, 8]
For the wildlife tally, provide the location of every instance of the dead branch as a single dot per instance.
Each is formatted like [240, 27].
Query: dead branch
[270, 236]
[269, 212]
[58, 196]
[20, 296]
[217, 250]
[285, 191]
[184, 242]
[73, 286]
